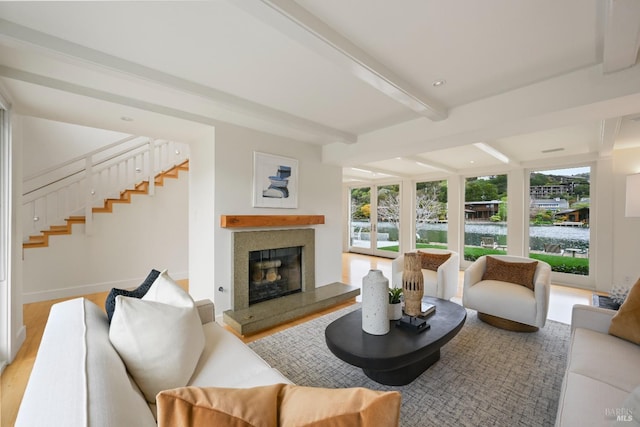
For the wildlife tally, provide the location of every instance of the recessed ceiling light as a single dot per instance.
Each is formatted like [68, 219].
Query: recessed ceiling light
[438, 83]
[126, 119]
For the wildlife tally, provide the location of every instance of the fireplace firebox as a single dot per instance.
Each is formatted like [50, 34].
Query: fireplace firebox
[293, 249]
[274, 273]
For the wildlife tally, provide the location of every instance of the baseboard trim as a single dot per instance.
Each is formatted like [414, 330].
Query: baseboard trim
[21, 337]
[76, 291]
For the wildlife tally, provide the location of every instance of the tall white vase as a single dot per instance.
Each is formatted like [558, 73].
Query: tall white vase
[375, 298]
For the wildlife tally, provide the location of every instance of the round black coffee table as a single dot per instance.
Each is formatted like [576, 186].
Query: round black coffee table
[400, 356]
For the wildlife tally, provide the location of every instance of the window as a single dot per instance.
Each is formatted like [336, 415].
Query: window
[431, 214]
[485, 216]
[559, 233]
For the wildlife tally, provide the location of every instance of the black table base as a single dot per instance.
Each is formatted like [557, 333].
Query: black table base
[404, 375]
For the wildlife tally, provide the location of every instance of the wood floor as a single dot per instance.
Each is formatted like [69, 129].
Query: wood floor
[354, 267]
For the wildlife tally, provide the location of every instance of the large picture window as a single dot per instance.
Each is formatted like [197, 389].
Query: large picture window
[431, 214]
[559, 202]
[485, 216]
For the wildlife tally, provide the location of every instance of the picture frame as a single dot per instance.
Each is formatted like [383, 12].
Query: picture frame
[275, 181]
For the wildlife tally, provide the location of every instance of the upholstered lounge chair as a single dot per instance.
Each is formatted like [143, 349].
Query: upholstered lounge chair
[441, 282]
[513, 297]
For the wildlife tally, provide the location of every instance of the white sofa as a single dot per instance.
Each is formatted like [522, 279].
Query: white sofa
[78, 378]
[602, 373]
[442, 283]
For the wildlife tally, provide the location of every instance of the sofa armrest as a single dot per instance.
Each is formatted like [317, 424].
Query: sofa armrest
[206, 310]
[448, 277]
[473, 274]
[595, 318]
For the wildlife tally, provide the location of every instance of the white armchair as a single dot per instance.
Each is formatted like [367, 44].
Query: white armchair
[508, 305]
[442, 283]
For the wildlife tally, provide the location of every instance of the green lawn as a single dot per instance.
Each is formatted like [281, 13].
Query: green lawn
[563, 264]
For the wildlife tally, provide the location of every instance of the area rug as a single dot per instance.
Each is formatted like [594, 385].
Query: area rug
[485, 376]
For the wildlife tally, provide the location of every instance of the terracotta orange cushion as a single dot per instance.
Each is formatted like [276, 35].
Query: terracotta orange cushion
[233, 407]
[278, 405]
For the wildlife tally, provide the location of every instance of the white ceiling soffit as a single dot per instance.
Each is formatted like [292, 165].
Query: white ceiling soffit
[86, 55]
[295, 21]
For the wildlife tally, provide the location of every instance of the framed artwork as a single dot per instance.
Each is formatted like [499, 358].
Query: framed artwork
[275, 181]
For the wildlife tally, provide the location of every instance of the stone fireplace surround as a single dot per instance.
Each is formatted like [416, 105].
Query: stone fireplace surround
[245, 319]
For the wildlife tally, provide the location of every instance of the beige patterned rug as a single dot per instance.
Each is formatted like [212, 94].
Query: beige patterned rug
[485, 376]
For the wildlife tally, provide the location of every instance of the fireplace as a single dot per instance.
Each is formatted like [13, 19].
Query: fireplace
[274, 273]
[272, 264]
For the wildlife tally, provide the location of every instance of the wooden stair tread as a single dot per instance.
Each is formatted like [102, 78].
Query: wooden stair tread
[42, 240]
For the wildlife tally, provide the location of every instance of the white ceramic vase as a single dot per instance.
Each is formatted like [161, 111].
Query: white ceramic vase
[375, 299]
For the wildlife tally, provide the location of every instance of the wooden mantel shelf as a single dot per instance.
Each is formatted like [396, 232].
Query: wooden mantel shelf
[233, 221]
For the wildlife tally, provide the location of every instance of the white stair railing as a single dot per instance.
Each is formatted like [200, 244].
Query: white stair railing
[78, 185]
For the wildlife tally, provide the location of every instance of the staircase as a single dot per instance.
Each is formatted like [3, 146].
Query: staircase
[42, 240]
[116, 169]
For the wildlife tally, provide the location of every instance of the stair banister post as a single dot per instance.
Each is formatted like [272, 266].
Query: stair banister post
[90, 191]
[152, 167]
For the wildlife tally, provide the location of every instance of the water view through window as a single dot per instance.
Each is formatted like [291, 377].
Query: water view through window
[431, 214]
[485, 216]
[559, 232]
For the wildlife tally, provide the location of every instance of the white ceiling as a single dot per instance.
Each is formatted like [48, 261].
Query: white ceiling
[543, 82]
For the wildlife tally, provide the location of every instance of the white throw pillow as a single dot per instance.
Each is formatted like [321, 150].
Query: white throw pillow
[158, 337]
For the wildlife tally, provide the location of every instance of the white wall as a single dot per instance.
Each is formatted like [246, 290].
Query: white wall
[626, 231]
[202, 261]
[48, 143]
[151, 232]
[232, 167]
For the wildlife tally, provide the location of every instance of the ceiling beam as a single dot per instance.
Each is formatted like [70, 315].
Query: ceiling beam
[431, 164]
[377, 171]
[296, 22]
[45, 81]
[621, 35]
[224, 100]
[609, 130]
[495, 153]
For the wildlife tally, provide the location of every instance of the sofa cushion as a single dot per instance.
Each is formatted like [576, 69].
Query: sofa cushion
[499, 298]
[585, 401]
[139, 292]
[431, 261]
[626, 323]
[605, 358]
[521, 273]
[159, 337]
[278, 404]
[223, 349]
[630, 408]
[78, 379]
[600, 375]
